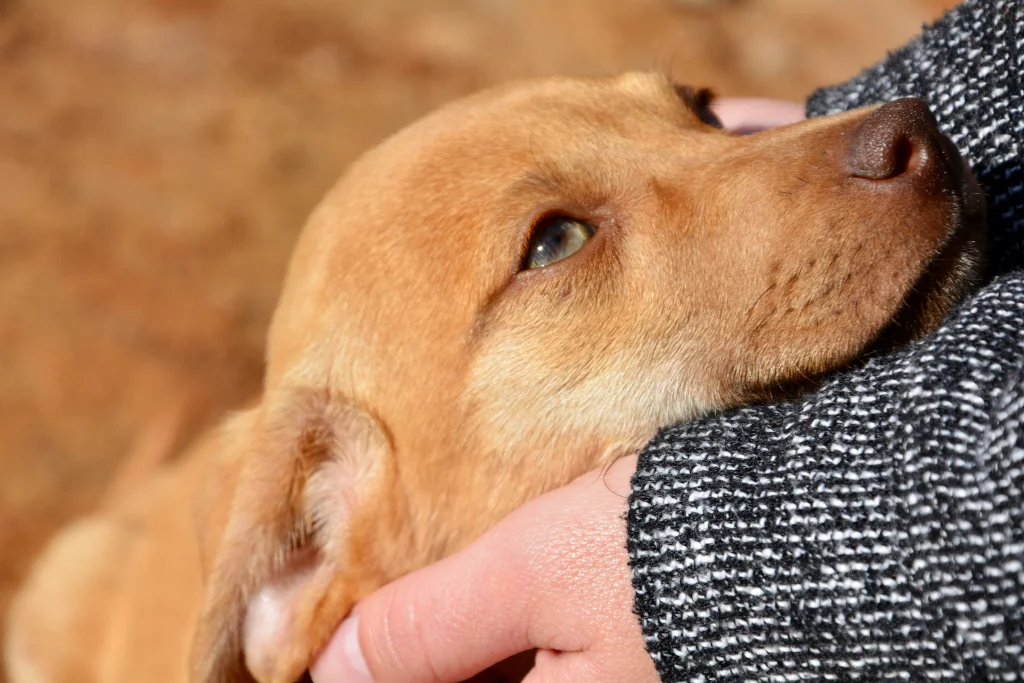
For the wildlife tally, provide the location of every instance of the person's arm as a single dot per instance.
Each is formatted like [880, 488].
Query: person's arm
[873, 530]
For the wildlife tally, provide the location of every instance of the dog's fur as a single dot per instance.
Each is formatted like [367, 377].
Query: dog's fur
[420, 385]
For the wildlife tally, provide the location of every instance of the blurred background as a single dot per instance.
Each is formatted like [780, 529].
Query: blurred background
[158, 157]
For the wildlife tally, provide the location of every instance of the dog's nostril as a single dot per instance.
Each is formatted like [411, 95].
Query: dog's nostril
[885, 158]
[907, 156]
[897, 139]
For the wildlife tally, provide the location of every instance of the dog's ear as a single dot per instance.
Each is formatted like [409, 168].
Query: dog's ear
[273, 526]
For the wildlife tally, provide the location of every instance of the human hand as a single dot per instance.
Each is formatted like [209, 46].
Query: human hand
[752, 114]
[553, 576]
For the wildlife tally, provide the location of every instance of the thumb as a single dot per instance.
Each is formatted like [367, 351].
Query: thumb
[441, 624]
[552, 575]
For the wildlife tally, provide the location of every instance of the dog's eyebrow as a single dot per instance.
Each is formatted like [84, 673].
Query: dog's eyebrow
[566, 179]
[543, 179]
[533, 187]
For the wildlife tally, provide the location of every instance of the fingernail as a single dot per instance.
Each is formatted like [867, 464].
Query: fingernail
[353, 652]
[342, 661]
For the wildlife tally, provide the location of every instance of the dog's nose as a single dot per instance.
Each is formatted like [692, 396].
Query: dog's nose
[898, 141]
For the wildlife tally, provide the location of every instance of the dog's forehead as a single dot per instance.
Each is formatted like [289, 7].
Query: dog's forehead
[531, 109]
[522, 116]
[477, 145]
[455, 167]
[412, 226]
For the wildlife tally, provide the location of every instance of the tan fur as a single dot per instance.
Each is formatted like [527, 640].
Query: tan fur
[419, 386]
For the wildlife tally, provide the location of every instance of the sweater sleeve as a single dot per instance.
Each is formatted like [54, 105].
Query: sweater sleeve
[873, 530]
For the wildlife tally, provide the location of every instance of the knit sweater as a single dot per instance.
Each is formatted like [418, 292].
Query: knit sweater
[873, 530]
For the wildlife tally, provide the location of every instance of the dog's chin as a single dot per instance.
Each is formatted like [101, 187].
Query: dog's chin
[956, 270]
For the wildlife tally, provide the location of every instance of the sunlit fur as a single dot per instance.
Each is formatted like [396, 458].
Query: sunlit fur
[419, 387]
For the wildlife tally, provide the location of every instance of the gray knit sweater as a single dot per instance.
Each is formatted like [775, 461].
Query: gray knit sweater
[875, 529]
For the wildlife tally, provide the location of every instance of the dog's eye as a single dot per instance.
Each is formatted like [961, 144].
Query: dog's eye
[556, 238]
[709, 117]
[699, 100]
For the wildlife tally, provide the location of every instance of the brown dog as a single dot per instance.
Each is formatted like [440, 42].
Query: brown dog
[507, 294]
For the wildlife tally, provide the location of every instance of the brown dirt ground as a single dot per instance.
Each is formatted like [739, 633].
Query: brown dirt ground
[157, 158]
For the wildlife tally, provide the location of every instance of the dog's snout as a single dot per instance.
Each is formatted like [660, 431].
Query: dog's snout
[899, 140]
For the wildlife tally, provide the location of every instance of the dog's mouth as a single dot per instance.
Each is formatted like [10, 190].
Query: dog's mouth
[954, 271]
[951, 274]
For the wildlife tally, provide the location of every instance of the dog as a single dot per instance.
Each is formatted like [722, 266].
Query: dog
[511, 292]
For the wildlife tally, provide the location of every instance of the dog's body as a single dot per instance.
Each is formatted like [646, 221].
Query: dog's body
[424, 378]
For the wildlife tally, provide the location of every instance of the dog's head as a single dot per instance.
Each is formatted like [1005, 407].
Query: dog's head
[531, 281]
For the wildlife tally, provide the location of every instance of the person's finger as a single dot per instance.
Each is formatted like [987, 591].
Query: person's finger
[752, 114]
[448, 622]
[548, 576]
[442, 624]
[608, 666]
[343, 659]
[346, 663]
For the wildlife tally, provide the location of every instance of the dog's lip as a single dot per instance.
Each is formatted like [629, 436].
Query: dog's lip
[966, 191]
[966, 188]
[969, 225]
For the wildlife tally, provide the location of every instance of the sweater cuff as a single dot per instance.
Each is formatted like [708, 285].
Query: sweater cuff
[869, 531]
[752, 552]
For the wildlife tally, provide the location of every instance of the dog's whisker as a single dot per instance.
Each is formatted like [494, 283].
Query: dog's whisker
[758, 300]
